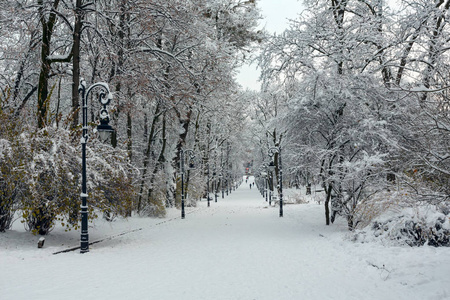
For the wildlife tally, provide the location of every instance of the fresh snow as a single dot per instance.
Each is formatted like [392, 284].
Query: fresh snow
[236, 249]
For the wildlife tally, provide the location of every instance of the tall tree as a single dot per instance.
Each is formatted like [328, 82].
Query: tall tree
[48, 17]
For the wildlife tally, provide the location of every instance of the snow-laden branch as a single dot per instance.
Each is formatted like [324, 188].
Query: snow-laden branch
[419, 89]
[173, 56]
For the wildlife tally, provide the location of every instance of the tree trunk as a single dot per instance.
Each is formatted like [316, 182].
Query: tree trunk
[44, 75]
[43, 80]
[161, 158]
[129, 135]
[350, 222]
[327, 204]
[76, 63]
[147, 155]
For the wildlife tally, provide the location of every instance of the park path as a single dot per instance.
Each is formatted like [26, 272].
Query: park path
[238, 248]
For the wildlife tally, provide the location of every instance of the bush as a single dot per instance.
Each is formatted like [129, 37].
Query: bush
[40, 174]
[40, 217]
[12, 167]
[295, 198]
[9, 181]
[54, 184]
[110, 180]
[53, 191]
[414, 227]
[114, 197]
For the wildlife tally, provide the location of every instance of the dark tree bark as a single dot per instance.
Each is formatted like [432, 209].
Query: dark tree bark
[46, 61]
[147, 154]
[79, 14]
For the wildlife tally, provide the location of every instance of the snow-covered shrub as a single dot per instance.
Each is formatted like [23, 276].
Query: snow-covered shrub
[110, 178]
[11, 183]
[110, 181]
[55, 180]
[295, 198]
[424, 225]
[377, 204]
[40, 216]
[115, 196]
[12, 170]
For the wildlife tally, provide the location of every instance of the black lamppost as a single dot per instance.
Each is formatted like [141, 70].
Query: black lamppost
[219, 184]
[216, 191]
[266, 184]
[259, 182]
[270, 181]
[222, 181]
[104, 129]
[227, 180]
[228, 168]
[272, 152]
[191, 166]
[207, 189]
[214, 188]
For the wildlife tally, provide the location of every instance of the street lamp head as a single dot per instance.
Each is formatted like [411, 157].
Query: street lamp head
[104, 129]
[105, 132]
[191, 164]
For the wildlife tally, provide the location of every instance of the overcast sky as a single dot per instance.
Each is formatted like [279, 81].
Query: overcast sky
[276, 14]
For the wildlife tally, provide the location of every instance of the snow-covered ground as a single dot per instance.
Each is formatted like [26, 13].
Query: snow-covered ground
[236, 249]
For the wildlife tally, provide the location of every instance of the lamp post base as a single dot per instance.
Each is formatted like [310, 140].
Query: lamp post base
[84, 243]
[281, 208]
[182, 210]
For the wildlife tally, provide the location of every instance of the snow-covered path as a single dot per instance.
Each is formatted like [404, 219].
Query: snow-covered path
[236, 249]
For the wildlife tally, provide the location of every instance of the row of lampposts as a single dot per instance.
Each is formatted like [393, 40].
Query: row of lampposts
[223, 183]
[105, 131]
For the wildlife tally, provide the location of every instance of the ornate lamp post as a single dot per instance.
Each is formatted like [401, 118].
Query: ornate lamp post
[266, 179]
[266, 184]
[207, 189]
[191, 166]
[272, 152]
[214, 188]
[222, 181]
[105, 130]
[270, 181]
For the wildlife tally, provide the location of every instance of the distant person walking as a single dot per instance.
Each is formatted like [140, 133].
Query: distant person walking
[250, 186]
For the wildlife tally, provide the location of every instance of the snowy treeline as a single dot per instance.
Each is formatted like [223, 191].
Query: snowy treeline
[171, 67]
[356, 94]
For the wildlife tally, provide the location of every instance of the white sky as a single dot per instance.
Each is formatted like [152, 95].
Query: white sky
[276, 14]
